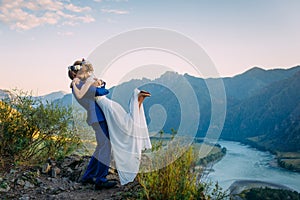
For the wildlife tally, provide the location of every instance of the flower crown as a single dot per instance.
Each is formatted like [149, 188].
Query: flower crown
[75, 67]
[78, 66]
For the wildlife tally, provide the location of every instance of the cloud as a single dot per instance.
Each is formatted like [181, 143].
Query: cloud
[28, 14]
[77, 9]
[114, 11]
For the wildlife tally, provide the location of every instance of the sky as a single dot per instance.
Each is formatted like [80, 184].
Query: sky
[39, 39]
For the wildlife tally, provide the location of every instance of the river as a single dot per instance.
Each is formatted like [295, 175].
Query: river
[242, 162]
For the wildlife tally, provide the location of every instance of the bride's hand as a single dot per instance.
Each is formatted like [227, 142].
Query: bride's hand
[76, 81]
[98, 82]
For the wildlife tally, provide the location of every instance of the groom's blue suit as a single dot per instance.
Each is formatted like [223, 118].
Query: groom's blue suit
[99, 164]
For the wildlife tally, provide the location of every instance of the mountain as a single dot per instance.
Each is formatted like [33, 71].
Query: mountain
[271, 115]
[264, 112]
[52, 96]
[4, 94]
[256, 101]
[48, 97]
[248, 83]
[66, 100]
[262, 105]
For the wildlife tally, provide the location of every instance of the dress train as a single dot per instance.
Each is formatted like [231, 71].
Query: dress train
[128, 134]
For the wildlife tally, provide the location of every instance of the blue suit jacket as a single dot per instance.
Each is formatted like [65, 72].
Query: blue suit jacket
[94, 112]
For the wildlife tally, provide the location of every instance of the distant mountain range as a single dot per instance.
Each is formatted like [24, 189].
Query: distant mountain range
[263, 106]
[4, 94]
[44, 98]
[270, 116]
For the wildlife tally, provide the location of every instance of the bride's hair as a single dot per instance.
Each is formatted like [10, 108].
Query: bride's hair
[85, 63]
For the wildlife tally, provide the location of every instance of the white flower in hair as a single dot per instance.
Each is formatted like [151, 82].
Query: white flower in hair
[77, 67]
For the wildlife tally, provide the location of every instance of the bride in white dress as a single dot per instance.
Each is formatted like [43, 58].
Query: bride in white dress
[128, 132]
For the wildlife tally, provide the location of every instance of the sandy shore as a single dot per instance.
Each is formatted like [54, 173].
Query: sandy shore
[240, 185]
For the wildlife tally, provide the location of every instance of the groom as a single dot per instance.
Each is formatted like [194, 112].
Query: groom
[98, 166]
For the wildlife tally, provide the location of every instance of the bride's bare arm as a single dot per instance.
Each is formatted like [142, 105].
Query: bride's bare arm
[79, 93]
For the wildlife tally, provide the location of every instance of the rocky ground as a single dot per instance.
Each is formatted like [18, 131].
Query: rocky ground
[59, 180]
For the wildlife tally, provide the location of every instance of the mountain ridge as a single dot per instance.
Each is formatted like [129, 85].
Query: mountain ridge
[260, 103]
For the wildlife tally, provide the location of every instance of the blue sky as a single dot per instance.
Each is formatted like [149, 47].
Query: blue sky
[40, 38]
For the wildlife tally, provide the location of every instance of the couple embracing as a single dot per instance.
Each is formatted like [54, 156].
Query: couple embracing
[124, 134]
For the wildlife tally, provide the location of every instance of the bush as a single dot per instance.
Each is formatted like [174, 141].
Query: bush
[178, 180]
[172, 182]
[30, 131]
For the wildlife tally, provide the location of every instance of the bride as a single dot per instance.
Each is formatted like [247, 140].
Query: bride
[128, 132]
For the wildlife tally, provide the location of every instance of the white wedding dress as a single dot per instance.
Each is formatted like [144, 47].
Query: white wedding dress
[128, 134]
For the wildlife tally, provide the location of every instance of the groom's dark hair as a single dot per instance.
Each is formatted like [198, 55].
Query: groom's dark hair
[71, 74]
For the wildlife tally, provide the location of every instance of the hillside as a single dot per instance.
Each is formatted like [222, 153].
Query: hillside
[271, 114]
[262, 105]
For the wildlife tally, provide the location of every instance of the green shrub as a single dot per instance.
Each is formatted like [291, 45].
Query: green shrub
[172, 182]
[180, 178]
[30, 131]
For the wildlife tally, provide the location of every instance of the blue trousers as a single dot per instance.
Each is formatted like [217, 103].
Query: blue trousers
[99, 164]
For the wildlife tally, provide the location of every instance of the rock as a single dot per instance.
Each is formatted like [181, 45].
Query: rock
[76, 186]
[46, 168]
[69, 170]
[4, 187]
[52, 162]
[70, 160]
[28, 185]
[12, 171]
[54, 181]
[51, 197]
[25, 197]
[54, 172]
[38, 173]
[38, 181]
[20, 182]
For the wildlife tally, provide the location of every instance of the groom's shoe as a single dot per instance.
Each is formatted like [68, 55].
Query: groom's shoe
[105, 185]
[87, 181]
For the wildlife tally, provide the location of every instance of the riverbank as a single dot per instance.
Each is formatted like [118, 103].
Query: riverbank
[289, 160]
[241, 185]
[242, 162]
[253, 189]
[216, 153]
[286, 160]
